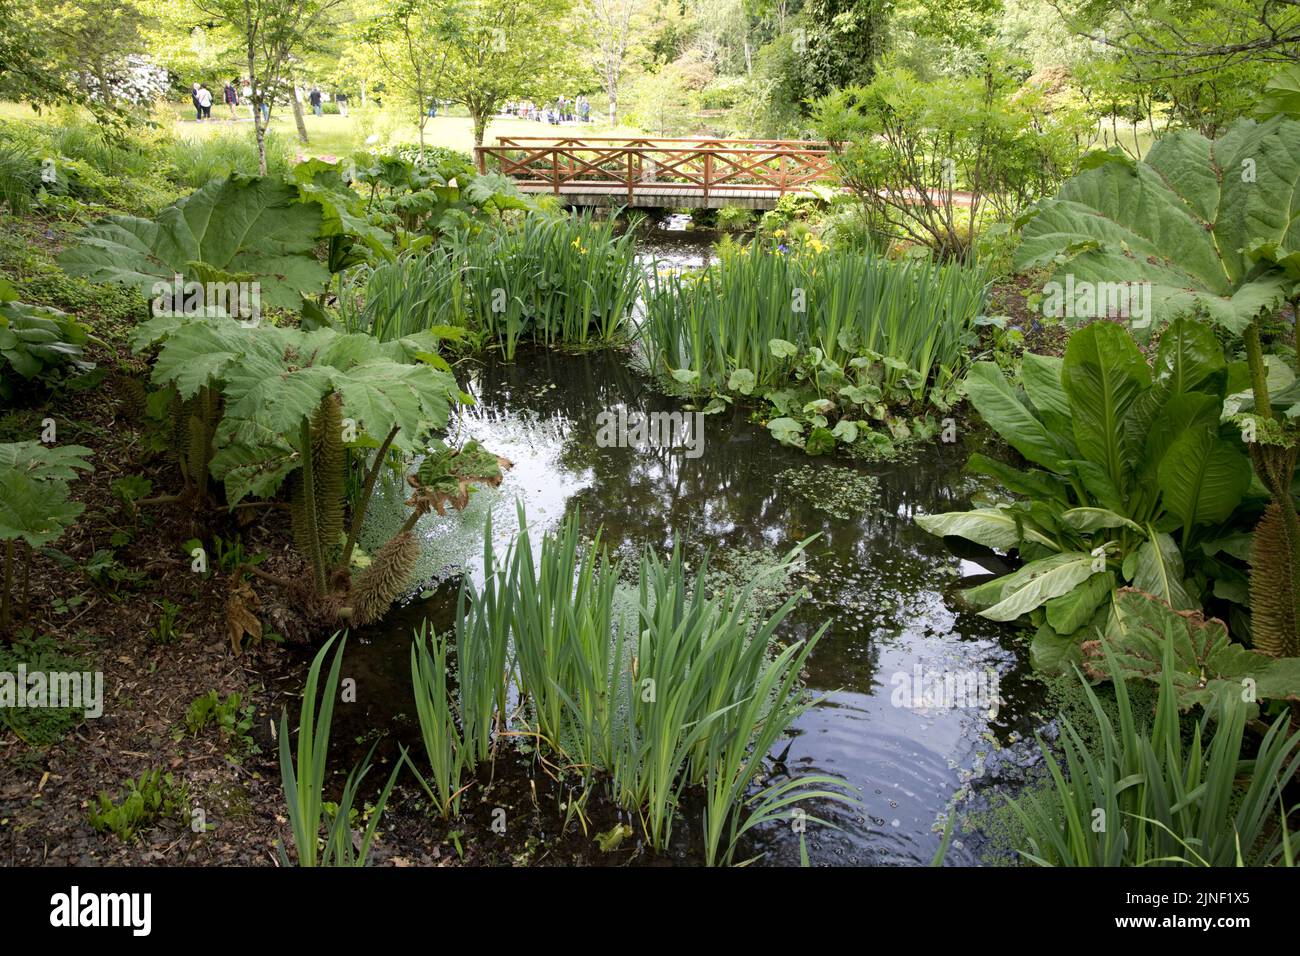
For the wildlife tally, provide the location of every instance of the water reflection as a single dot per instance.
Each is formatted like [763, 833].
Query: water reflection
[879, 581]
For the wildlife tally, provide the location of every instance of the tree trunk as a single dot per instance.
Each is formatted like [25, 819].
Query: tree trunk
[480, 125]
[613, 108]
[363, 94]
[298, 118]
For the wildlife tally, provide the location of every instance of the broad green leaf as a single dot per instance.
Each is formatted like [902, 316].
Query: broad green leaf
[1069, 612]
[991, 527]
[1190, 358]
[1089, 519]
[1033, 483]
[999, 406]
[1103, 373]
[1159, 571]
[1039, 582]
[785, 430]
[33, 510]
[741, 380]
[1207, 662]
[1182, 220]
[1203, 477]
[250, 227]
[43, 462]
[1041, 377]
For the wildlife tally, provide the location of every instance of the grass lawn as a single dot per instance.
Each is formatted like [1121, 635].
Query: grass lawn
[334, 134]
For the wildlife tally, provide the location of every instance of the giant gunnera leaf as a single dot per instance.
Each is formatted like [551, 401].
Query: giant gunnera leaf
[1206, 662]
[273, 379]
[238, 229]
[1212, 225]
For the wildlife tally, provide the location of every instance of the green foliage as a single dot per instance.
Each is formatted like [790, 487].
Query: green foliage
[831, 340]
[163, 630]
[196, 161]
[1157, 799]
[232, 718]
[293, 402]
[568, 280]
[34, 504]
[443, 746]
[39, 726]
[903, 147]
[273, 380]
[36, 342]
[1210, 224]
[303, 779]
[237, 230]
[1205, 664]
[1125, 458]
[152, 799]
[681, 688]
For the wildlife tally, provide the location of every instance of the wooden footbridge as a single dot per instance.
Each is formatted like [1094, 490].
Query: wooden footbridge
[678, 173]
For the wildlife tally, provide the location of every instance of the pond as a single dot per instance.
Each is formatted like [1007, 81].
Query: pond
[871, 575]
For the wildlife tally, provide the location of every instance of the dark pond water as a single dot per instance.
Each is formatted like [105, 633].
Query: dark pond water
[877, 580]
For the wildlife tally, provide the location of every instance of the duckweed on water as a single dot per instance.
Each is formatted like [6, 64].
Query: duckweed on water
[839, 492]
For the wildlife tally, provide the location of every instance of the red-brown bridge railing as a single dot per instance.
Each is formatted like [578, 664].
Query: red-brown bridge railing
[615, 165]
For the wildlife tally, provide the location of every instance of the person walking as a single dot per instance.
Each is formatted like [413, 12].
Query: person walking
[342, 100]
[194, 98]
[248, 98]
[314, 98]
[230, 97]
[204, 97]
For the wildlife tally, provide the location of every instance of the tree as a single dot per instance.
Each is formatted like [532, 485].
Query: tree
[31, 69]
[91, 40]
[505, 50]
[408, 40]
[613, 25]
[270, 33]
[1209, 58]
[842, 43]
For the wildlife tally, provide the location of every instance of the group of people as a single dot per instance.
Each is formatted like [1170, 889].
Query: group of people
[563, 109]
[237, 92]
[231, 94]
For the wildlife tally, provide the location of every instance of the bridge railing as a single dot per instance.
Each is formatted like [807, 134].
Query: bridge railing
[619, 165]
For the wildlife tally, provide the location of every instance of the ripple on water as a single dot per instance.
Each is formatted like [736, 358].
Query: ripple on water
[878, 581]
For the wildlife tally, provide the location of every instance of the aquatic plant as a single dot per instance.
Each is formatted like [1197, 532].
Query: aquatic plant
[443, 744]
[1139, 798]
[568, 280]
[832, 340]
[303, 778]
[1125, 460]
[692, 691]
[1207, 227]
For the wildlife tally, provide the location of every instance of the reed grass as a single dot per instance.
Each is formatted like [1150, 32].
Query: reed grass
[443, 744]
[303, 779]
[914, 315]
[554, 281]
[692, 692]
[1150, 798]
